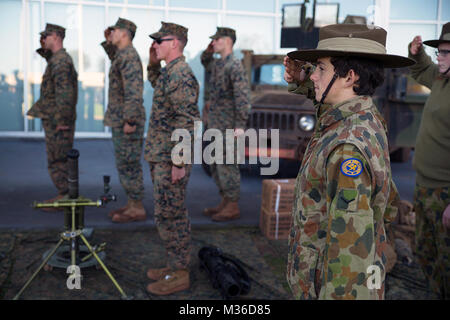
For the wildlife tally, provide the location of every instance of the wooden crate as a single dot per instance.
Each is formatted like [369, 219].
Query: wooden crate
[275, 226]
[277, 194]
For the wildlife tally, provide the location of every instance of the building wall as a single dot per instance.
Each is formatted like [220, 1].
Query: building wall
[257, 22]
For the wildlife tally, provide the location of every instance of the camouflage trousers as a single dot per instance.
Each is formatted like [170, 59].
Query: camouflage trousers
[57, 144]
[432, 238]
[128, 151]
[228, 179]
[171, 215]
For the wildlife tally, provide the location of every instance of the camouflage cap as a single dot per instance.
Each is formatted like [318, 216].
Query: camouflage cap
[225, 32]
[170, 29]
[125, 24]
[50, 28]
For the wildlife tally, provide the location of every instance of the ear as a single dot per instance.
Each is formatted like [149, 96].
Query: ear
[351, 78]
[175, 43]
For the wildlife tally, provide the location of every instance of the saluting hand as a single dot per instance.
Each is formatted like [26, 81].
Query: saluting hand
[153, 60]
[108, 35]
[416, 44]
[210, 47]
[293, 70]
[41, 40]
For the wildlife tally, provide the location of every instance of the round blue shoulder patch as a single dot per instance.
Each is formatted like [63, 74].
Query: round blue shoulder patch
[351, 167]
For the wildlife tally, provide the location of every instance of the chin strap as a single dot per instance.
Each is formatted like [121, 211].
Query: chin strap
[328, 88]
[444, 73]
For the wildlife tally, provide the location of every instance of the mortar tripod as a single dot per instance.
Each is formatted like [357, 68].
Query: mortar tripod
[73, 206]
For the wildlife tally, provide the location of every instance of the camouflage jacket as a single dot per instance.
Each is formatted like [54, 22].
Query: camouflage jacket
[59, 91]
[338, 229]
[228, 92]
[110, 49]
[175, 99]
[125, 102]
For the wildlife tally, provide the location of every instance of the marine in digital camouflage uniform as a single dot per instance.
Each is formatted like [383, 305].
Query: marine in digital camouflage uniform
[432, 163]
[344, 193]
[57, 106]
[174, 107]
[126, 116]
[227, 107]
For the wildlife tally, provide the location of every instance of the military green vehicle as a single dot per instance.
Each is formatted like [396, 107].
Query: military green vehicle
[273, 107]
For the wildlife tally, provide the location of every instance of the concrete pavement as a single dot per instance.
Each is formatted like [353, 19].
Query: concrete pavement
[24, 179]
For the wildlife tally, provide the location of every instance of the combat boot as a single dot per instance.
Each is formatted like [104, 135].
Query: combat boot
[120, 210]
[157, 274]
[212, 211]
[173, 282]
[54, 209]
[229, 212]
[134, 212]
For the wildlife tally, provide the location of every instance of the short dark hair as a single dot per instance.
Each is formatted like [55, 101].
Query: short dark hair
[59, 34]
[370, 72]
[183, 41]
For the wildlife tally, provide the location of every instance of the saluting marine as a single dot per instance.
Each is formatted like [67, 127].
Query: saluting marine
[57, 106]
[126, 116]
[227, 107]
[344, 193]
[174, 107]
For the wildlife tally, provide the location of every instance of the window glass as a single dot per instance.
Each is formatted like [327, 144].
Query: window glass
[272, 74]
[259, 37]
[251, 5]
[91, 77]
[201, 4]
[11, 72]
[37, 63]
[414, 9]
[355, 8]
[400, 35]
[282, 2]
[445, 10]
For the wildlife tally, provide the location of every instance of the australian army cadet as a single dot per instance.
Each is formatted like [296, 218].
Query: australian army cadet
[344, 189]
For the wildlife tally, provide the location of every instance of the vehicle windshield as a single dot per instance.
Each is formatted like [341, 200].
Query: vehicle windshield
[269, 74]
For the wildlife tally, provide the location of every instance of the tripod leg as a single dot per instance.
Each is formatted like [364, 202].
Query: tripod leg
[39, 269]
[124, 296]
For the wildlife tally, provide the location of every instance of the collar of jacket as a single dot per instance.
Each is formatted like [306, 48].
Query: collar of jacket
[173, 62]
[227, 58]
[128, 47]
[340, 111]
[57, 53]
